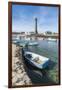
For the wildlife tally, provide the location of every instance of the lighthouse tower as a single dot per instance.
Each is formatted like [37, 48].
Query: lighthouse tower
[36, 32]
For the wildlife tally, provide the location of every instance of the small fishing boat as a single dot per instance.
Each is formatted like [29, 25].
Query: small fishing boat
[22, 44]
[32, 43]
[36, 60]
[15, 41]
[52, 40]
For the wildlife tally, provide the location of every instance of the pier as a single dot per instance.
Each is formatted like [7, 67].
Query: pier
[19, 75]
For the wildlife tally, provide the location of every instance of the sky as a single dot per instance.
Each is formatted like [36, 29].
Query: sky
[23, 18]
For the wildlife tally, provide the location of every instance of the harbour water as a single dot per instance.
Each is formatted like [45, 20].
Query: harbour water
[46, 48]
[50, 75]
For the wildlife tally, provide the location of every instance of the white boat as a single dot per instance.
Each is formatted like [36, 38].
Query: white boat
[22, 44]
[15, 41]
[36, 60]
[32, 43]
[51, 39]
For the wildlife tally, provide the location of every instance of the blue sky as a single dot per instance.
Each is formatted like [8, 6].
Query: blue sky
[23, 18]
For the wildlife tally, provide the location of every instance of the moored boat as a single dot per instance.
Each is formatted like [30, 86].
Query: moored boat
[51, 39]
[32, 43]
[36, 60]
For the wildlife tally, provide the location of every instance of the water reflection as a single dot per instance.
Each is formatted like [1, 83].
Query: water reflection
[50, 74]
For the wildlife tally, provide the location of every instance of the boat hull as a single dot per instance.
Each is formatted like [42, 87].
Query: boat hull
[39, 67]
[32, 44]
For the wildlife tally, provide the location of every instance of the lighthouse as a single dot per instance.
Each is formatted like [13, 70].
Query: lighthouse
[36, 32]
